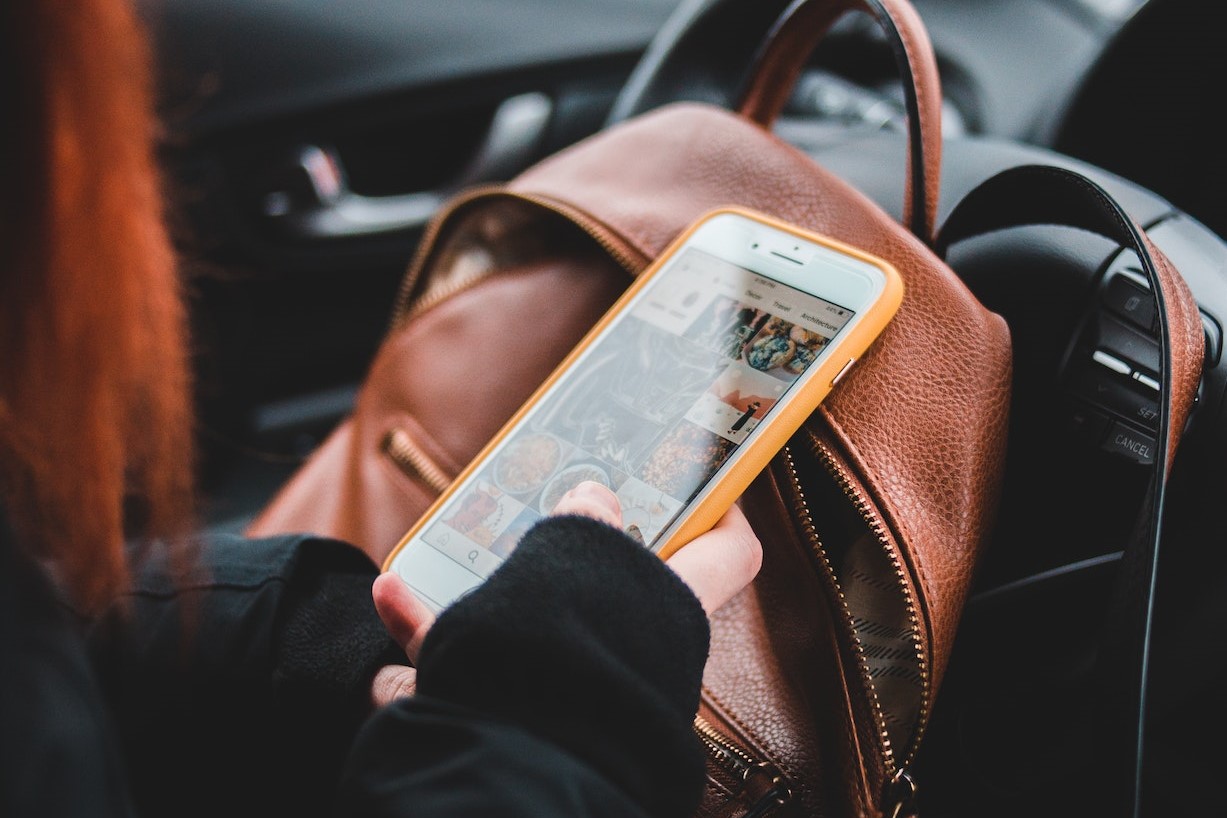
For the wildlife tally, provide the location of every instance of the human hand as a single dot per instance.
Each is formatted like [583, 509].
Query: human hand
[715, 565]
[407, 620]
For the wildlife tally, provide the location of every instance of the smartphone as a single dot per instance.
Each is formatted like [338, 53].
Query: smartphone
[676, 399]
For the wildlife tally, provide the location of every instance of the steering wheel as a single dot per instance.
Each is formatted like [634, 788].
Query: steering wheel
[1008, 732]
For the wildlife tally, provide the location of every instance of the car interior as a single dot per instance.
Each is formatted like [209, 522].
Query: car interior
[309, 143]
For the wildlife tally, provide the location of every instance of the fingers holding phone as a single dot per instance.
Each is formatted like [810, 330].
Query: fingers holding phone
[718, 564]
[591, 500]
[408, 619]
[715, 565]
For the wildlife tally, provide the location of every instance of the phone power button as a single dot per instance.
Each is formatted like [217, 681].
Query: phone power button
[839, 376]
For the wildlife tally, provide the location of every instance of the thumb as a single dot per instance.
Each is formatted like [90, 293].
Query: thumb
[406, 617]
[393, 682]
[591, 500]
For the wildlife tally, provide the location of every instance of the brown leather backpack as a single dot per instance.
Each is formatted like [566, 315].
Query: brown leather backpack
[823, 673]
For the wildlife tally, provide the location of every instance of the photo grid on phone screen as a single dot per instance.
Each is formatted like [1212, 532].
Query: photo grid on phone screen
[658, 406]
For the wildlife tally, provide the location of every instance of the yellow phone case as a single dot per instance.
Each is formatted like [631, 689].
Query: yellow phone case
[769, 438]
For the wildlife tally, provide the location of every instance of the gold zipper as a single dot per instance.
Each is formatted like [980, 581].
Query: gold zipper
[425, 248]
[627, 256]
[414, 462]
[898, 794]
[748, 773]
[438, 295]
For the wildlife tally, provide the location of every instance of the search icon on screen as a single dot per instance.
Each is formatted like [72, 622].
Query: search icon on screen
[473, 555]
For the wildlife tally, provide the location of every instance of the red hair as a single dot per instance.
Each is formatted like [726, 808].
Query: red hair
[95, 400]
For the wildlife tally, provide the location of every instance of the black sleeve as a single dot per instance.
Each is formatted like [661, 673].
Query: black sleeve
[239, 675]
[59, 757]
[566, 684]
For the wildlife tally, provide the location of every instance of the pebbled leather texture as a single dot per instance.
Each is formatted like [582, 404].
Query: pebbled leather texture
[1188, 347]
[787, 49]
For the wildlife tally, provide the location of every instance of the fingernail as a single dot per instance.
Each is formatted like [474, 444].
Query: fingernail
[635, 533]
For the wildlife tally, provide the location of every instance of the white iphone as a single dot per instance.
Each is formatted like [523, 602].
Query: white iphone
[675, 400]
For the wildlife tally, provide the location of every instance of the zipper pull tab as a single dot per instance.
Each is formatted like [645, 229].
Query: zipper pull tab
[775, 791]
[901, 795]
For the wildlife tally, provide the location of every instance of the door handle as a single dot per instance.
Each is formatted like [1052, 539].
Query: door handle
[323, 207]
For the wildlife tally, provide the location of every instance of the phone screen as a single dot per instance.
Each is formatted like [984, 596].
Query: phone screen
[653, 408]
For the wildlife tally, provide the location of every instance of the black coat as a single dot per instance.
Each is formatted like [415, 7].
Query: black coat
[237, 685]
